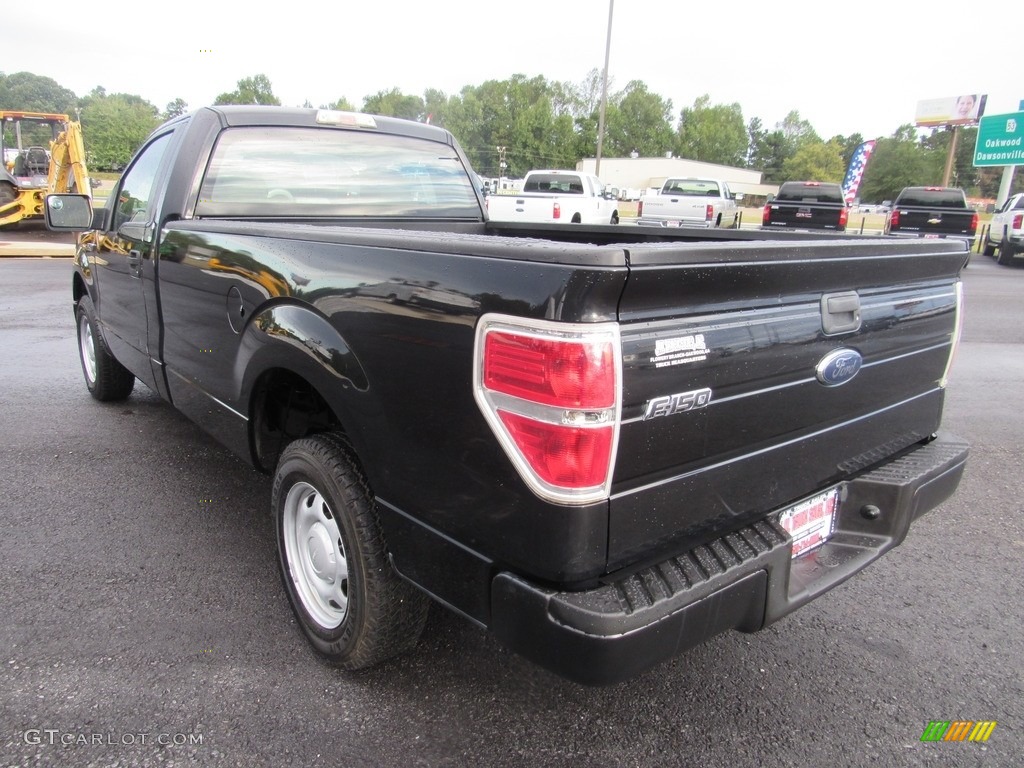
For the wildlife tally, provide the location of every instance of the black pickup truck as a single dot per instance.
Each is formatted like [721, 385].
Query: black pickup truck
[602, 443]
[940, 212]
[807, 205]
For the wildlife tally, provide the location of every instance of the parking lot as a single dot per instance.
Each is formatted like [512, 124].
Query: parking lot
[144, 623]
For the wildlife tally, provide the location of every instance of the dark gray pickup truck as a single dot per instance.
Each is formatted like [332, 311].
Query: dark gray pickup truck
[604, 444]
[937, 212]
[807, 205]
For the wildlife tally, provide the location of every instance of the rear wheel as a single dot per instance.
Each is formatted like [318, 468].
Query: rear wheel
[351, 604]
[989, 248]
[615, 217]
[105, 377]
[1006, 252]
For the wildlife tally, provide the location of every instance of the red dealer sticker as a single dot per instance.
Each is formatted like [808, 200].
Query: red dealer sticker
[811, 522]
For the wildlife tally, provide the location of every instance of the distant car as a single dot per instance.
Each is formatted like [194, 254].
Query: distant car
[1006, 230]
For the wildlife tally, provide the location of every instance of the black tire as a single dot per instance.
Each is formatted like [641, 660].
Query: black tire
[615, 217]
[354, 609]
[1006, 253]
[105, 377]
[989, 248]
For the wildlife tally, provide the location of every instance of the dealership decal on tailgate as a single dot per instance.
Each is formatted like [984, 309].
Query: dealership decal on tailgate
[811, 522]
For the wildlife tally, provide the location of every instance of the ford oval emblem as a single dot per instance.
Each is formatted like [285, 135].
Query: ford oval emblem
[838, 367]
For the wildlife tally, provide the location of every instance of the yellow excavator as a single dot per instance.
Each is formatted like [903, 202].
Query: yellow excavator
[30, 170]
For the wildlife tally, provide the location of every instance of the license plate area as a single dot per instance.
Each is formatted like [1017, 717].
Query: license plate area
[811, 522]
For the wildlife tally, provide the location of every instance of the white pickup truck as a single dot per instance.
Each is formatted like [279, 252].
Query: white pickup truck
[556, 197]
[1006, 230]
[704, 203]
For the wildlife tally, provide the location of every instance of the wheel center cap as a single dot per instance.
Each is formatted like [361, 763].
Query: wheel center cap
[320, 551]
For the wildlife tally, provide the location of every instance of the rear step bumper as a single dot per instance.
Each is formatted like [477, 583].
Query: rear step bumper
[744, 580]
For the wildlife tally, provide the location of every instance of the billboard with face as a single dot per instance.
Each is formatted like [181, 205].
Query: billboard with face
[953, 110]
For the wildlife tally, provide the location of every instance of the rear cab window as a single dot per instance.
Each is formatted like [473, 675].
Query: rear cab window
[284, 171]
[692, 187]
[801, 192]
[924, 197]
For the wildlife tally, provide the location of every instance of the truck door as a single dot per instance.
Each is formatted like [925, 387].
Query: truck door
[124, 254]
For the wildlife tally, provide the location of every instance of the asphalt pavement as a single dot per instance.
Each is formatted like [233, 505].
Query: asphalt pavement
[143, 623]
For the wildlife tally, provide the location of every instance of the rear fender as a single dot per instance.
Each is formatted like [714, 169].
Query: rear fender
[299, 340]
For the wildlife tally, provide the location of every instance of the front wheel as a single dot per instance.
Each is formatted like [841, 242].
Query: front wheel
[105, 377]
[352, 606]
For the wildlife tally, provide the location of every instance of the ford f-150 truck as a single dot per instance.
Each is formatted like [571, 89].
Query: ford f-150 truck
[604, 444]
[557, 197]
[706, 203]
[1006, 230]
[807, 205]
[932, 212]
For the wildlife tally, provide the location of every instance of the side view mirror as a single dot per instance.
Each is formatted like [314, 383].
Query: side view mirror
[68, 213]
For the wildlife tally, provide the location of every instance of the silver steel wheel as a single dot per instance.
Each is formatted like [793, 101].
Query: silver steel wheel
[87, 348]
[316, 557]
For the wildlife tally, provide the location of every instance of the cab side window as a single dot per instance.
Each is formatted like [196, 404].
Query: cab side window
[136, 190]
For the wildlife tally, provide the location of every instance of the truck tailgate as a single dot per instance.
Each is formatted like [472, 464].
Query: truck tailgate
[725, 350]
[937, 223]
[791, 215]
[687, 210]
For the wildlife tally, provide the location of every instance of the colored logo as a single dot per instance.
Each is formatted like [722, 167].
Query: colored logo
[958, 730]
[838, 367]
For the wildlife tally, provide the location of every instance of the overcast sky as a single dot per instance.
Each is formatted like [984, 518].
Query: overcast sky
[853, 67]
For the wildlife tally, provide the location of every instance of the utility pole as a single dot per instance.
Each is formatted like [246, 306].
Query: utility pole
[604, 90]
[501, 164]
[949, 158]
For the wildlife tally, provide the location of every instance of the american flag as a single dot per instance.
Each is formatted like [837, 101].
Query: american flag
[855, 172]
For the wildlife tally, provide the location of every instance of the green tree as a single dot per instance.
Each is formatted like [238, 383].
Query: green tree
[638, 120]
[394, 103]
[342, 105]
[797, 130]
[175, 108]
[114, 127]
[815, 161]
[713, 133]
[250, 90]
[897, 162]
[35, 93]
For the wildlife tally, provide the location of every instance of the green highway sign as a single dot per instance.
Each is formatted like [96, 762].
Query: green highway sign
[1000, 140]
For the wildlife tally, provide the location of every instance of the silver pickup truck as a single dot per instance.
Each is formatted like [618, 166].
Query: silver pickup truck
[704, 203]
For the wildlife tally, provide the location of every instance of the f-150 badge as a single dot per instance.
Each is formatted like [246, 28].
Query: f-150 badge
[678, 403]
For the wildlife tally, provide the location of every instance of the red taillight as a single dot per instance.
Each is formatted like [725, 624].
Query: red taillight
[566, 457]
[551, 393]
[766, 214]
[709, 212]
[974, 223]
[1018, 221]
[844, 216]
[556, 211]
[894, 218]
[640, 208]
[566, 374]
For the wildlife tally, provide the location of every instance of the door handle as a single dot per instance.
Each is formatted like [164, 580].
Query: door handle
[840, 313]
[135, 263]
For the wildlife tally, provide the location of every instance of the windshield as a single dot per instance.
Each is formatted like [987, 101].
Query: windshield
[315, 172]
